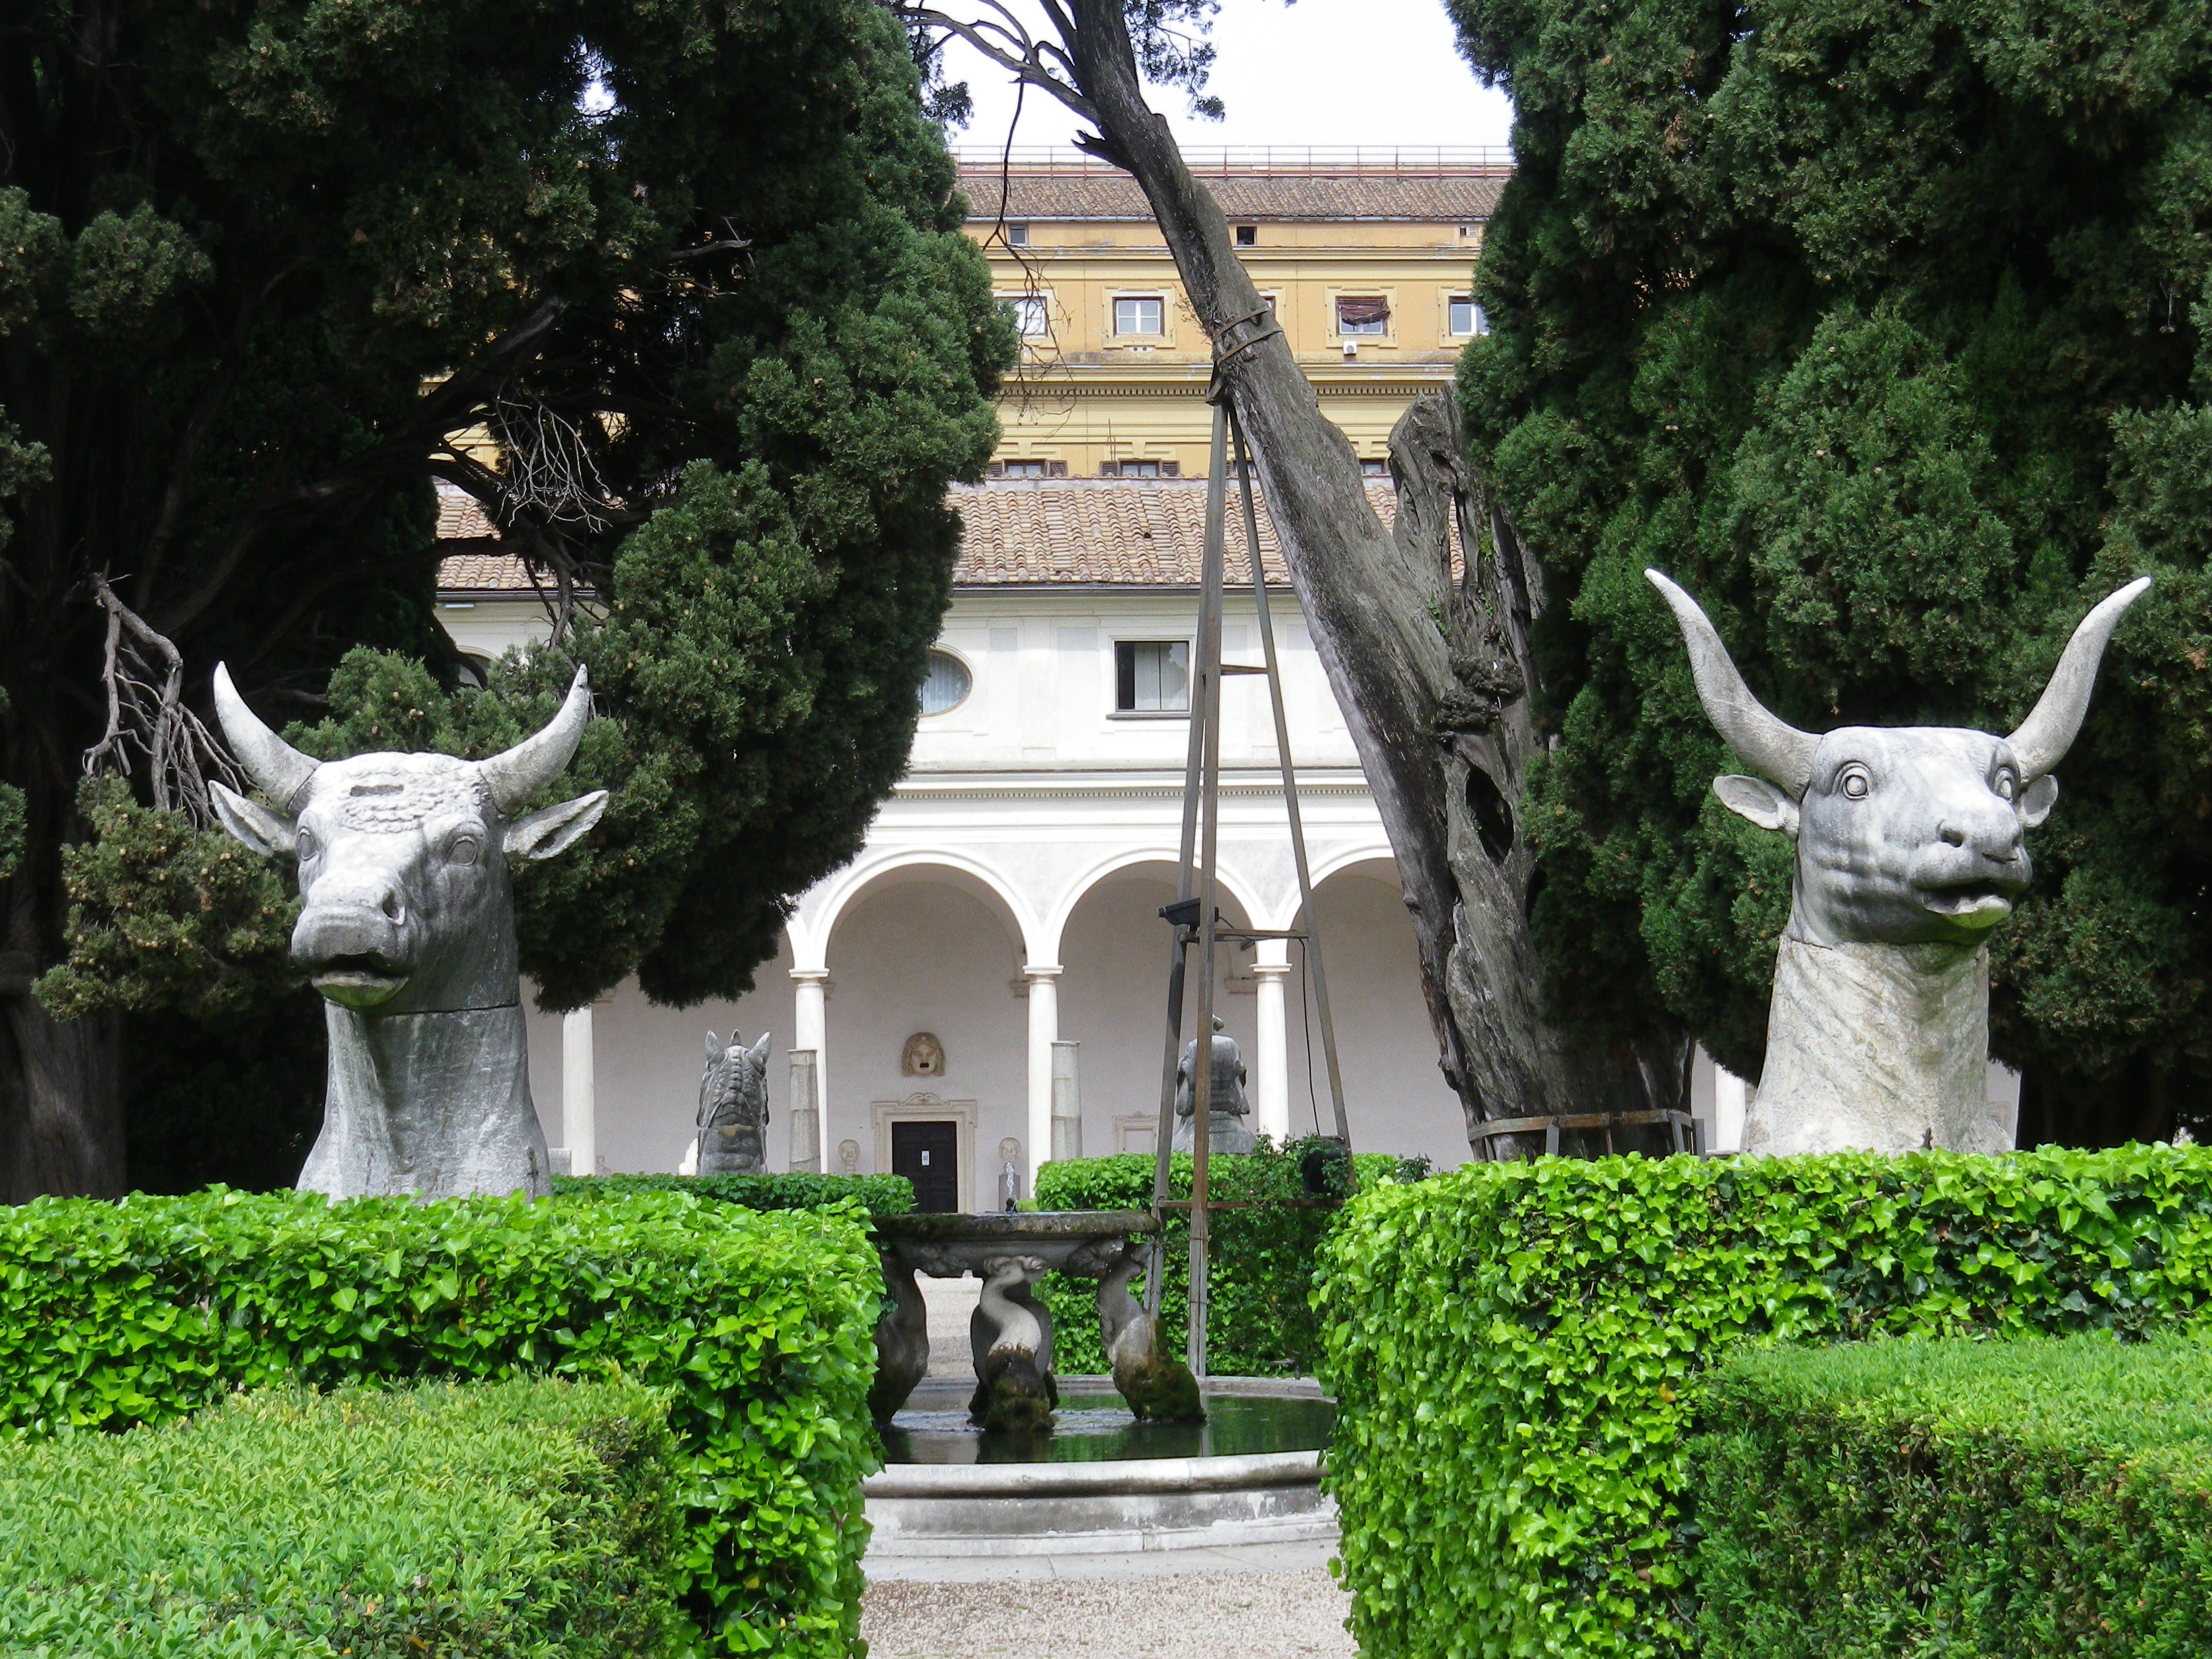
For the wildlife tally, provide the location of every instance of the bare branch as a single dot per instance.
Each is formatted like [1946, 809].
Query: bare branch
[1009, 44]
[152, 718]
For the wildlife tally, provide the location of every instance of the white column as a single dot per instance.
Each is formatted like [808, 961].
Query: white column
[1044, 1030]
[580, 1105]
[810, 1029]
[1271, 1065]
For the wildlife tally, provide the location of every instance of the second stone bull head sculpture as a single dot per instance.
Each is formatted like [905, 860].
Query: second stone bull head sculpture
[407, 929]
[1911, 847]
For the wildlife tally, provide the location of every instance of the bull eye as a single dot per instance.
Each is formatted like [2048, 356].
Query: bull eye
[1857, 782]
[2006, 785]
[464, 848]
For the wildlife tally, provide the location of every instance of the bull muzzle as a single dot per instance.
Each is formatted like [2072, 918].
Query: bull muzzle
[1970, 878]
[355, 947]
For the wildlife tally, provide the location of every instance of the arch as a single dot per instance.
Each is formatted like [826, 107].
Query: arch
[1336, 864]
[1104, 869]
[815, 925]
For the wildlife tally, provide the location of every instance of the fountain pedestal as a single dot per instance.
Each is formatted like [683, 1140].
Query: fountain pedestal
[1010, 1329]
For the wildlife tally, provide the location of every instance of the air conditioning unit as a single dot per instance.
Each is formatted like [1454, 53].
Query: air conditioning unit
[1352, 348]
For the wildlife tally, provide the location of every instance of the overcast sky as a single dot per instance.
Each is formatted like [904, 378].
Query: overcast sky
[1317, 72]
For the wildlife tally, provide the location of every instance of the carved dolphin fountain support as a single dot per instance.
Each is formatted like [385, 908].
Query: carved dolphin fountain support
[407, 929]
[1911, 847]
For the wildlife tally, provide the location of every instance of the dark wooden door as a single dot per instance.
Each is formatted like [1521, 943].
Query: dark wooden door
[928, 1155]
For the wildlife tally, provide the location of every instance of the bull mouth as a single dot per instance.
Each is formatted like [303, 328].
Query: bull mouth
[361, 982]
[1971, 904]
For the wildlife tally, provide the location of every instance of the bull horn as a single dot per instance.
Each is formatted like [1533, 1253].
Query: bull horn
[514, 776]
[1777, 751]
[2048, 732]
[277, 770]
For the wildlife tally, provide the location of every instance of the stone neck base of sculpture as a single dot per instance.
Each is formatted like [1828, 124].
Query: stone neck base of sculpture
[1876, 1047]
[430, 1105]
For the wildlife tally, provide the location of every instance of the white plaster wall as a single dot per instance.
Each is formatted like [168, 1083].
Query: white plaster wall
[923, 957]
[1112, 998]
[1395, 1095]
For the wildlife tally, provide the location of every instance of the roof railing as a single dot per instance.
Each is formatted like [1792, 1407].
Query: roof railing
[1371, 161]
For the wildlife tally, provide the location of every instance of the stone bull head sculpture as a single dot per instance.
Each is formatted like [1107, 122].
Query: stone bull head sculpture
[1911, 848]
[407, 929]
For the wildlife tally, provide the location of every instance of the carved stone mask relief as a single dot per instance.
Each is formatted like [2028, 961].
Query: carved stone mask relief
[924, 1056]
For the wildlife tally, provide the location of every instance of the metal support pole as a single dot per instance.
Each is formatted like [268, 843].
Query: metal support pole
[1309, 917]
[1179, 949]
[1209, 699]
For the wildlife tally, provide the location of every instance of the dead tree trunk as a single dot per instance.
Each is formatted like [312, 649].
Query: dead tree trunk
[1435, 674]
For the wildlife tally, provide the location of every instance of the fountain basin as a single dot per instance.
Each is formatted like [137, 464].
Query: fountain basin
[1112, 1505]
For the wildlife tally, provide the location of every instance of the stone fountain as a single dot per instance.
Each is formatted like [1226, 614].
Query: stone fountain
[1011, 1330]
[1175, 1470]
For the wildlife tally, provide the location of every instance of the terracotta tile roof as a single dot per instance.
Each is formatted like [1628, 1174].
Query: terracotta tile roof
[1101, 532]
[459, 518]
[1447, 198]
[1108, 533]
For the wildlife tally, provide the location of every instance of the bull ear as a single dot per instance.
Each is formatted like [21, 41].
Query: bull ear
[253, 824]
[1756, 798]
[2036, 800]
[760, 1051]
[556, 829]
[713, 1048]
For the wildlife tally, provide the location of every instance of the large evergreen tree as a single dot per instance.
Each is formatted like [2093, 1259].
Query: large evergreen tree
[674, 287]
[1886, 326]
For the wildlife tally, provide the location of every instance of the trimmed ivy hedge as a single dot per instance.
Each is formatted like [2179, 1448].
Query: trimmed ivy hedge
[879, 1194]
[499, 1520]
[759, 1326]
[2031, 1499]
[1260, 1317]
[1517, 1350]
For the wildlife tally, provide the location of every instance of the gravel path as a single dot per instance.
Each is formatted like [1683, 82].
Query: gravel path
[1210, 1615]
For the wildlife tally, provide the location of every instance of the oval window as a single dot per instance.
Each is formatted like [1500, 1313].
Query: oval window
[947, 683]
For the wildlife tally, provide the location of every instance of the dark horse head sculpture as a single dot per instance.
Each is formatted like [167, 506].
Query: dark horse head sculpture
[733, 1107]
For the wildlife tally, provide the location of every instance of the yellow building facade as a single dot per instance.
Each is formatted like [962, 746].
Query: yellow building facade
[1366, 257]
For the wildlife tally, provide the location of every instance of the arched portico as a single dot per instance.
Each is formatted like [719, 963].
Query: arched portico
[924, 940]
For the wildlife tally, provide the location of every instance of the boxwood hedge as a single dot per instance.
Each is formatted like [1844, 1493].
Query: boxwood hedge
[760, 1327]
[879, 1194]
[1517, 1350]
[500, 1520]
[2031, 1499]
[1260, 1318]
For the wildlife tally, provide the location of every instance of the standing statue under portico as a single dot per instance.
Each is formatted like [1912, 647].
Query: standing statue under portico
[1227, 1109]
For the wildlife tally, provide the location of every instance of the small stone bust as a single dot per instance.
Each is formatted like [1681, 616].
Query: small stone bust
[733, 1107]
[1227, 1107]
[924, 1056]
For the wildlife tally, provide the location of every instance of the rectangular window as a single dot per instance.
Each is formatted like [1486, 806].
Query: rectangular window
[1018, 236]
[1248, 235]
[1151, 676]
[1370, 468]
[1364, 315]
[1466, 318]
[1139, 469]
[1031, 314]
[1025, 468]
[1138, 313]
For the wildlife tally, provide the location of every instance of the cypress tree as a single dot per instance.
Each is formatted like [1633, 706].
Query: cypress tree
[1886, 327]
[676, 291]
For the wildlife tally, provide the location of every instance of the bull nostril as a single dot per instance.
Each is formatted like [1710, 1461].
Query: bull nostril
[391, 907]
[1952, 837]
